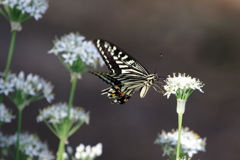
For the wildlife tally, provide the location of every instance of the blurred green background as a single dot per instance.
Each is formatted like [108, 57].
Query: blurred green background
[197, 37]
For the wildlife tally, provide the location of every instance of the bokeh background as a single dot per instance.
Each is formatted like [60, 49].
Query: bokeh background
[200, 38]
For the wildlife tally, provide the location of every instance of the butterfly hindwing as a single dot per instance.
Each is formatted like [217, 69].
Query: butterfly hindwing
[122, 85]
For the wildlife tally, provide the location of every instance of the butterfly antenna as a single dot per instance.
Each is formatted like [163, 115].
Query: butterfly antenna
[158, 63]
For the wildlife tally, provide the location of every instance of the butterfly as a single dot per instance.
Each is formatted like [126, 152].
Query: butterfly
[127, 74]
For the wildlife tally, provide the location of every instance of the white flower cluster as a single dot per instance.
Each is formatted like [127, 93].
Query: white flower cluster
[191, 143]
[34, 8]
[184, 158]
[88, 152]
[29, 145]
[73, 47]
[32, 85]
[5, 114]
[58, 112]
[181, 85]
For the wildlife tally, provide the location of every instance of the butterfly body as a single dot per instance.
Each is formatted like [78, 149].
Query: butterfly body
[127, 74]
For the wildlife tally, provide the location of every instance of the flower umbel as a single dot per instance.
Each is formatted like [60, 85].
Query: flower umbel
[77, 54]
[182, 86]
[30, 146]
[24, 90]
[21, 10]
[190, 145]
[56, 116]
[58, 112]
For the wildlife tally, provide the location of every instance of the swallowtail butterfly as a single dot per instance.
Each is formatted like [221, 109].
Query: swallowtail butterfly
[127, 74]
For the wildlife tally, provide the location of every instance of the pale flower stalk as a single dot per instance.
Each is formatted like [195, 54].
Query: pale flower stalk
[182, 87]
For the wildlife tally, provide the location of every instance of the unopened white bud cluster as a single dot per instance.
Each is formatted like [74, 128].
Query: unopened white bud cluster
[88, 152]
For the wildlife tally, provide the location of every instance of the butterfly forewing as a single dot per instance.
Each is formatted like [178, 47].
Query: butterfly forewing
[117, 60]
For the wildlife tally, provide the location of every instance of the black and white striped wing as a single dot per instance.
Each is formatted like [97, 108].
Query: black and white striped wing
[117, 60]
[127, 74]
[122, 86]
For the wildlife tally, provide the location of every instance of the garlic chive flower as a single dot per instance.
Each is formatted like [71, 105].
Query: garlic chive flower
[5, 114]
[182, 86]
[88, 152]
[190, 144]
[20, 10]
[55, 118]
[77, 54]
[30, 146]
[24, 90]
[58, 112]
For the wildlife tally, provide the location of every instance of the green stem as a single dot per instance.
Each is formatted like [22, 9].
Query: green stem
[65, 130]
[1, 98]
[18, 133]
[73, 88]
[180, 115]
[70, 101]
[61, 148]
[10, 53]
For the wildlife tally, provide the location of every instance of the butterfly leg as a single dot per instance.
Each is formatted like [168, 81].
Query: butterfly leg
[158, 89]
